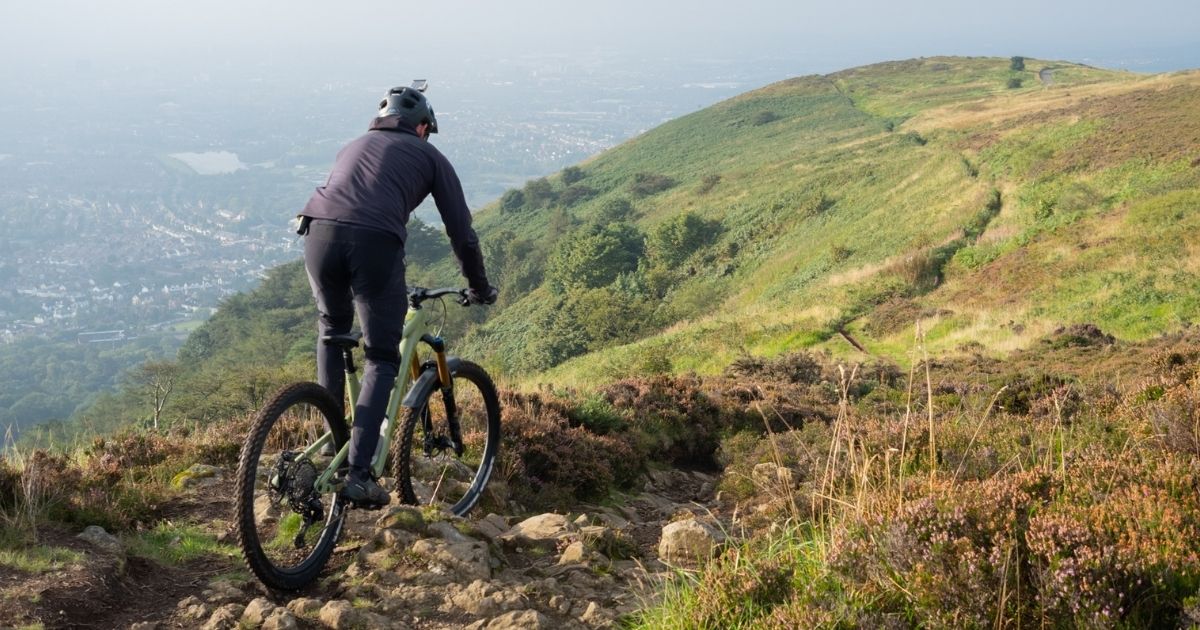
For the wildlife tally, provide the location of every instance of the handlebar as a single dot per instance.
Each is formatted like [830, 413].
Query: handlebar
[417, 295]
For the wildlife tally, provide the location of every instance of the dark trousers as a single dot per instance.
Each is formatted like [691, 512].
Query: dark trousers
[359, 270]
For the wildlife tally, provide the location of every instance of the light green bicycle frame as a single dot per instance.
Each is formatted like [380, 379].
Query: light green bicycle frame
[417, 324]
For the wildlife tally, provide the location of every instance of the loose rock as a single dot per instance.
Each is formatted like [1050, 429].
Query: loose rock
[281, 619]
[304, 606]
[772, 477]
[405, 518]
[340, 615]
[257, 612]
[688, 542]
[103, 540]
[573, 554]
[541, 531]
[448, 532]
[226, 617]
[197, 475]
[519, 620]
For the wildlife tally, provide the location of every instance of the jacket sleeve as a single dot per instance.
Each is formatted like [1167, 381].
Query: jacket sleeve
[456, 216]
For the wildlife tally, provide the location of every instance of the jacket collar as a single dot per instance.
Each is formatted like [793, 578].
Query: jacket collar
[392, 123]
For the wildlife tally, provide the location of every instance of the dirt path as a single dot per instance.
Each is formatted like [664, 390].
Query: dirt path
[582, 569]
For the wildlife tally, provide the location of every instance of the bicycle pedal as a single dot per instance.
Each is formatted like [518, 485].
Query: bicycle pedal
[372, 507]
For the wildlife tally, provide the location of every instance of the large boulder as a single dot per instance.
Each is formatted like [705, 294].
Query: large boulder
[688, 542]
[542, 531]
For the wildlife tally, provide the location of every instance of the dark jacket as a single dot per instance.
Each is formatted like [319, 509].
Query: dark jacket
[381, 177]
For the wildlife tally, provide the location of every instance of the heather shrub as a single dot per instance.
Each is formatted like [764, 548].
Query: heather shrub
[1177, 364]
[646, 184]
[736, 592]
[803, 452]
[548, 462]
[672, 419]
[1023, 391]
[128, 452]
[1064, 402]
[794, 367]
[1120, 545]
[956, 551]
[1078, 336]
[1176, 417]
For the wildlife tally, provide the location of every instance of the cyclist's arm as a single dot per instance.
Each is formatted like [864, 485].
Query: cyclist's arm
[456, 216]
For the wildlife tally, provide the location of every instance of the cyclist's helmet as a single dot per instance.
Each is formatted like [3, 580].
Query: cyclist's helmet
[410, 105]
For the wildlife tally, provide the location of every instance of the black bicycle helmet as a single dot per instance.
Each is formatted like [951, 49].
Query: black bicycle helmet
[410, 105]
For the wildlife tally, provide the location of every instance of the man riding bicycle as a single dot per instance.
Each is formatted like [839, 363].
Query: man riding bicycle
[354, 256]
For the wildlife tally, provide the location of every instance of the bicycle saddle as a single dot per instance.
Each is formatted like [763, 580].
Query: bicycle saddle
[346, 341]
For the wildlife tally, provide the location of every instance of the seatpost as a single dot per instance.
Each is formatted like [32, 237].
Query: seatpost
[348, 356]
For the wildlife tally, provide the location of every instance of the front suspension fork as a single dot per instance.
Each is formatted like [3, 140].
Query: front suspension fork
[447, 390]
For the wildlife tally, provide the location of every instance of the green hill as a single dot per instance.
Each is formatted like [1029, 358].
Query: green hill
[928, 190]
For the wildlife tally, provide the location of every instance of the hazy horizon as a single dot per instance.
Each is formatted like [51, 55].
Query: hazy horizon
[372, 38]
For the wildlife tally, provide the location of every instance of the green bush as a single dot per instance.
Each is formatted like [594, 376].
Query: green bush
[574, 194]
[594, 256]
[646, 184]
[673, 241]
[572, 174]
[539, 193]
[512, 200]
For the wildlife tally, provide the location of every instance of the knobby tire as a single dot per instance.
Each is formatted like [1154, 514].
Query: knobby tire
[273, 576]
[464, 375]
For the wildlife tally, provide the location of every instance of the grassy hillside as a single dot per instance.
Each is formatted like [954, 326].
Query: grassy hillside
[867, 201]
[953, 196]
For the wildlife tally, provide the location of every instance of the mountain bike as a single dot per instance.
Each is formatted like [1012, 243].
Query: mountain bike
[294, 461]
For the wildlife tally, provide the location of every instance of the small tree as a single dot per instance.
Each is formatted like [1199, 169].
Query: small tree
[571, 174]
[1014, 83]
[154, 381]
[613, 210]
[1016, 64]
[512, 200]
[539, 193]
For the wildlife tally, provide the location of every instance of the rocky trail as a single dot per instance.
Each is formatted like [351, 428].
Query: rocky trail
[400, 567]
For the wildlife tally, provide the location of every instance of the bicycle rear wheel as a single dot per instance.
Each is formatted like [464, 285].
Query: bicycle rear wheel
[287, 529]
[428, 467]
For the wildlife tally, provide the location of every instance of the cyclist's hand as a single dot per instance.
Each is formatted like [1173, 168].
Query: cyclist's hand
[485, 296]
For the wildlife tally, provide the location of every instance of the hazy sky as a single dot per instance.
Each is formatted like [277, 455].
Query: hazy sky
[821, 36]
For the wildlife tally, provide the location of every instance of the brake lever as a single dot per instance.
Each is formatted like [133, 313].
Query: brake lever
[463, 300]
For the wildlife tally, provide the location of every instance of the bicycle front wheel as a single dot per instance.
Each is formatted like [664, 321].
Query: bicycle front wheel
[433, 465]
[287, 527]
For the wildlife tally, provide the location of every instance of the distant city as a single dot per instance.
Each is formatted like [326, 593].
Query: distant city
[141, 211]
